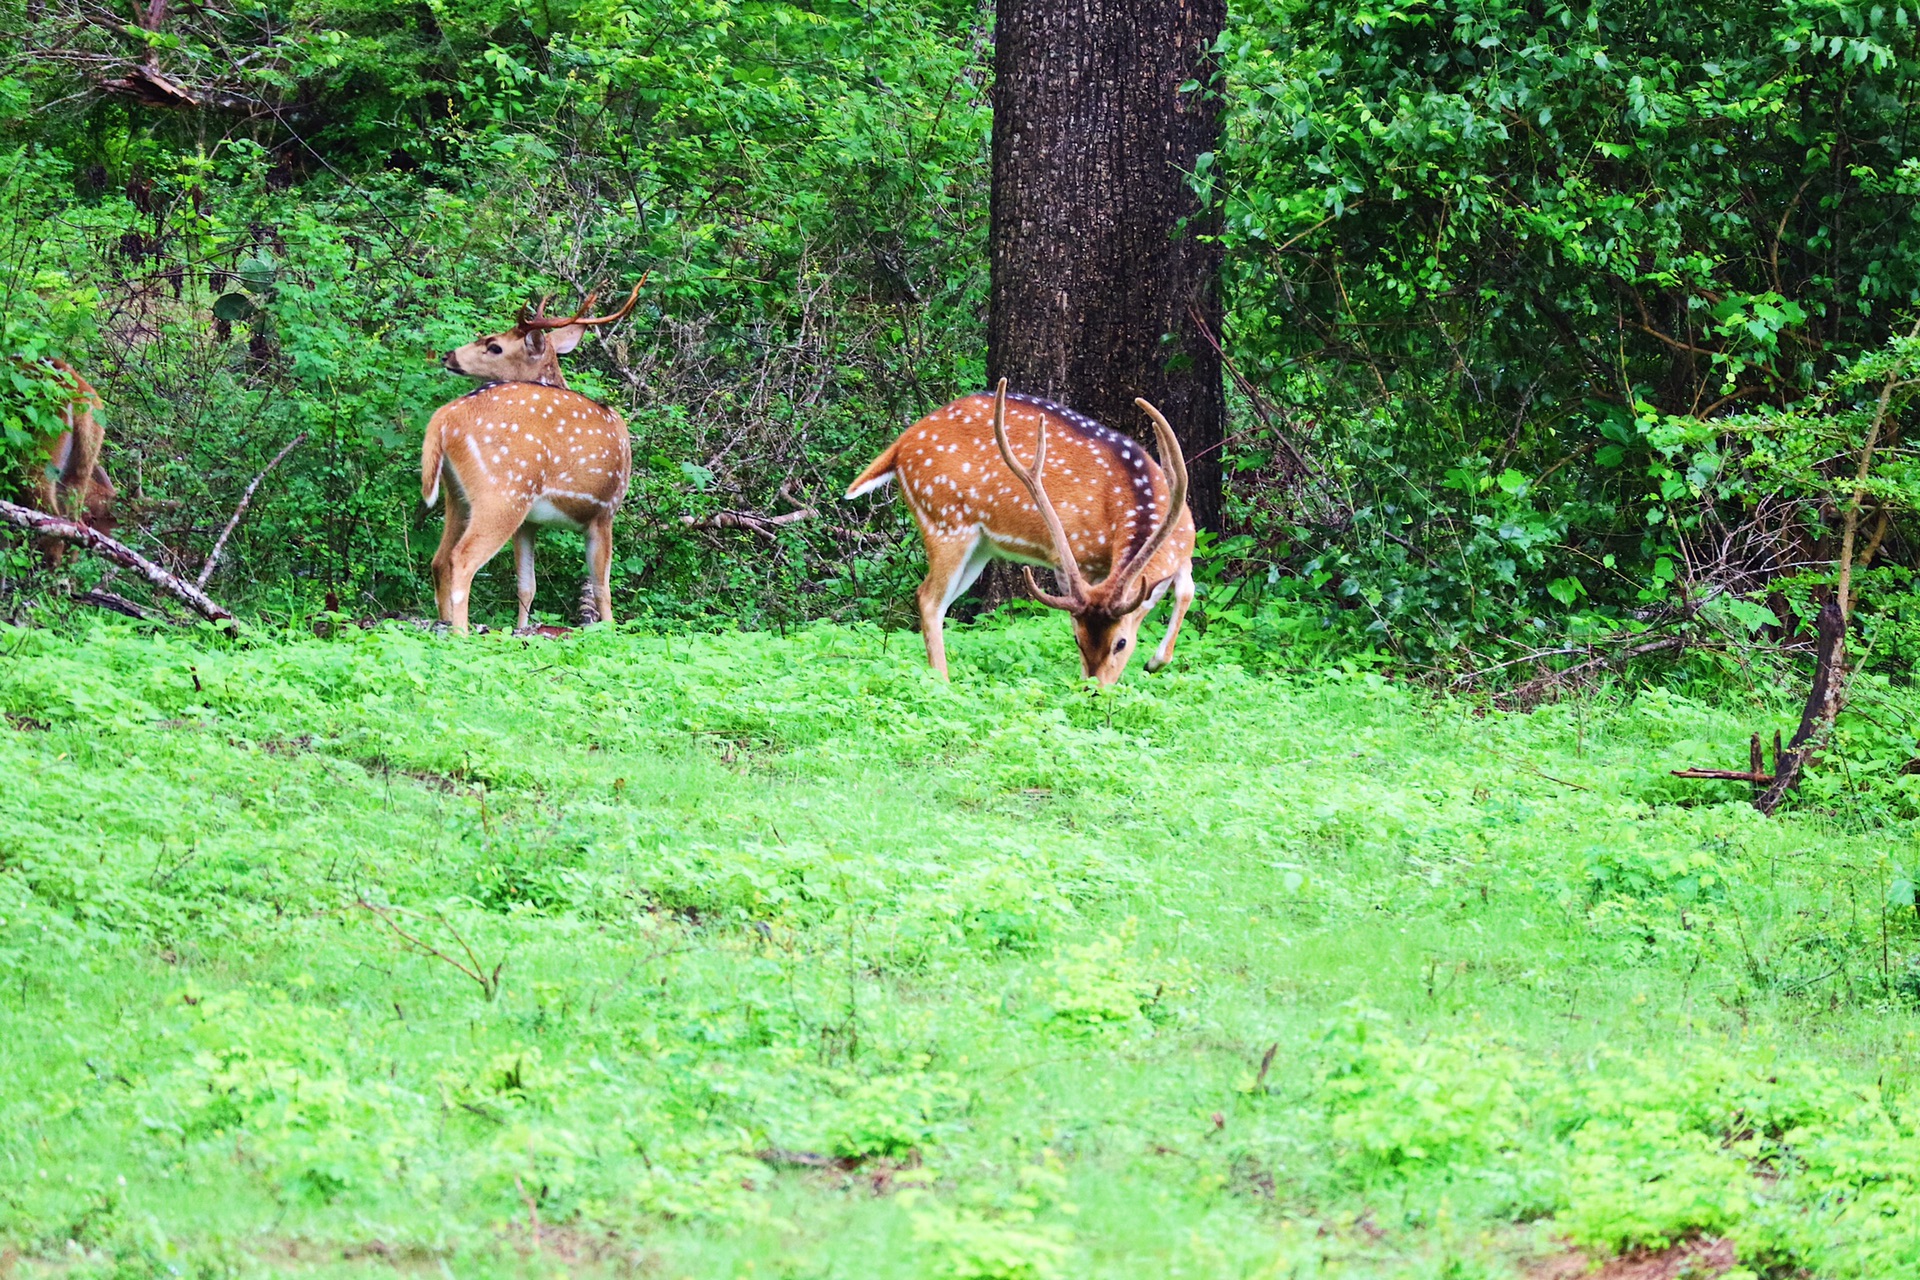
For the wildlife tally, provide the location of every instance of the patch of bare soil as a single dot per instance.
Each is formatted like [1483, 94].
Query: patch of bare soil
[1694, 1260]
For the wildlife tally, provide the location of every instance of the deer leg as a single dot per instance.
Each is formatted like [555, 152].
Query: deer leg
[523, 573]
[1182, 597]
[486, 533]
[952, 566]
[49, 495]
[454, 526]
[600, 564]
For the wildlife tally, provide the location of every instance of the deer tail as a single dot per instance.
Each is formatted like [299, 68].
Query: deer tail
[878, 472]
[431, 454]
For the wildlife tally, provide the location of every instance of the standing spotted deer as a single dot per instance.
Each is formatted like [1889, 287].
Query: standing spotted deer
[1106, 509]
[524, 451]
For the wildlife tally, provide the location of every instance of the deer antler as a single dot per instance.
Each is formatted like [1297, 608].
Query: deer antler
[1068, 566]
[1176, 466]
[540, 320]
[531, 317]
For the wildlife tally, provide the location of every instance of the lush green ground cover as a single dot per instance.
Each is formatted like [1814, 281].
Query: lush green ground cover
[1216, 975]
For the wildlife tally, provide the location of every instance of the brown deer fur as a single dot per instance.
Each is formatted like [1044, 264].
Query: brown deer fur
[1095, 503]
[520, 452]
[69, 480]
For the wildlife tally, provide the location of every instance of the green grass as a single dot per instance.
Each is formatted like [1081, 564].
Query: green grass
[1216, 974]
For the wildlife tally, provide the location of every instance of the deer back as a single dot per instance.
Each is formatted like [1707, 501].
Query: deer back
[547, 452]
[1109, 493]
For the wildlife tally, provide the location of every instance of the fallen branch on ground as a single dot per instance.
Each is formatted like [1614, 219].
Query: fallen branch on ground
[101, 598]
[220, 543]
[765, 526]
[1540, 684]
[807, 1159]
[101, 545]
[1756, 771]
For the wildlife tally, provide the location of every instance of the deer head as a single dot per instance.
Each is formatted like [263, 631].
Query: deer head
[531, 350]
[1107, 614]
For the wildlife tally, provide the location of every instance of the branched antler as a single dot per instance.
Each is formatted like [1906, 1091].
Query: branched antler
[1067, 564]
[539, 319]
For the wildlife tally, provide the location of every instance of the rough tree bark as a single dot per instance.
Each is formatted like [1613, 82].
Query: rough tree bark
[1099, 253]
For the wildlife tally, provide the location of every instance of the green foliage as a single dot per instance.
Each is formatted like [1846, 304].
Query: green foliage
[1055, 983]
[1515, 264]
[804, 192]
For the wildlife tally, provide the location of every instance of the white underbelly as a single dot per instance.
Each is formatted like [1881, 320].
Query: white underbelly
[544, 512]
[1018, 550]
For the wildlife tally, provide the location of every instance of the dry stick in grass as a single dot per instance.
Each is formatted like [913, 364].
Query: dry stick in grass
[118, 552]
[533, 1211]
[220, 543]
[1756, 771]
[1541, 684]
[101, 598]
[475, 968]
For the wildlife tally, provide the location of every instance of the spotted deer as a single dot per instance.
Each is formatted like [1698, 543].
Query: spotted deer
[1106, 507]
[69, 480]
[520, 452]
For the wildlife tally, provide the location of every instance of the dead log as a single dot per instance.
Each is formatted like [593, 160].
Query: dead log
[100, 544]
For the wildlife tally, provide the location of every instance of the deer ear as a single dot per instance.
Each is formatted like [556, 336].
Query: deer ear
[536, 340]
[565, 340]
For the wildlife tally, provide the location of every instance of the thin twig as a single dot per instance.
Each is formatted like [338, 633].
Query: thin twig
[476, 969]
[1251, 392]
[220, 543]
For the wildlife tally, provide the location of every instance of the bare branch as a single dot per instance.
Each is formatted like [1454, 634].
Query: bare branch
[474, 968]
[100, 544]
[220, 543]
[748, 520]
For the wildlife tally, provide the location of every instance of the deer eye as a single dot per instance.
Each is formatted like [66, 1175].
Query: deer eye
[1119, 644]
[493, 348]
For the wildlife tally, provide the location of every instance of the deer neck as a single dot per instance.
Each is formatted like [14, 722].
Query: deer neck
[550, 375]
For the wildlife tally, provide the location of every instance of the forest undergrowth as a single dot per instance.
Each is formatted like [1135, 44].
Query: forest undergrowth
[731, 955]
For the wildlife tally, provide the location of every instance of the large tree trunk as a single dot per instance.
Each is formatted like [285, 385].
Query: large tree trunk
[1098, 256]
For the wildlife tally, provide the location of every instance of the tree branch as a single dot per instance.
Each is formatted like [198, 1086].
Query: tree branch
[220, 543]
[100, 544]
[748, 520]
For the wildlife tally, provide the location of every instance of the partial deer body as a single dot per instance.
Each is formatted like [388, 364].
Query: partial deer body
[520, 452]
[70, 480]
[1087, 501]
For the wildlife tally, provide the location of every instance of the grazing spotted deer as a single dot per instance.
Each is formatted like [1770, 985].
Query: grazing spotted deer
[524, 451]
[69, 481]
[1107, 508]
